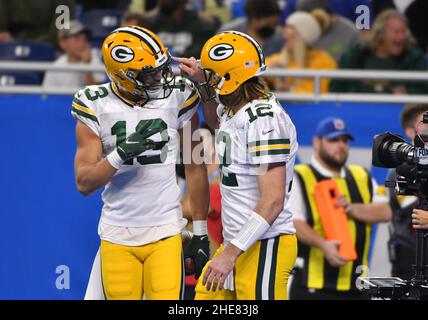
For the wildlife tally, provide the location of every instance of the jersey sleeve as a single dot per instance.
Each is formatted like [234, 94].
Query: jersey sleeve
[271, 136]
[190, 105]
[84, 111]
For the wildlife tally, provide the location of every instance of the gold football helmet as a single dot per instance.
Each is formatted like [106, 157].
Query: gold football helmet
[138, 62]
[229, 59]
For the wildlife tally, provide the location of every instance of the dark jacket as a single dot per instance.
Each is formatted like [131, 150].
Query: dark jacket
[185, 38]
[32, 20]
[402, 241]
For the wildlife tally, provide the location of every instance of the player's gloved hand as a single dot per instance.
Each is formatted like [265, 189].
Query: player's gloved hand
[135, 144]
[139, 141]
[199, 250]
[151, 127]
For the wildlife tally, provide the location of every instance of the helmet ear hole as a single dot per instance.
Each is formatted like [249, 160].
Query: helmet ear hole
[227, 76]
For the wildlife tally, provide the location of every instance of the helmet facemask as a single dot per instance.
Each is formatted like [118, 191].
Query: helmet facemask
[153, 83]
[212, 84]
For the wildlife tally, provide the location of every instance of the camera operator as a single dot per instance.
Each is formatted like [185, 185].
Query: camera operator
[402, 243]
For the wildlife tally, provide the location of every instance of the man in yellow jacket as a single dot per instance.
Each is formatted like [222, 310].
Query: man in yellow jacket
[321, 271]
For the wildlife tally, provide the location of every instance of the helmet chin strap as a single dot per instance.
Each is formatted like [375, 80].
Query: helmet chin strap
[217, 97]
[137, 84]
[136, 93]
[217, 90]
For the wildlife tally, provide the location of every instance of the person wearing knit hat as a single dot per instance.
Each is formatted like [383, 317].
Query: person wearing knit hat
[306, 26]
[339, 32]
[302, 30]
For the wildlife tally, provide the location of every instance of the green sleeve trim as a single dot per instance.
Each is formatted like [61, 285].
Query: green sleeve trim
[84, 114]
[190, 107]
[80, 102]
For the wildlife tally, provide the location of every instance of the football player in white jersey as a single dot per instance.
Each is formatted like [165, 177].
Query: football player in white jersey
[128, 138]
[256, 144]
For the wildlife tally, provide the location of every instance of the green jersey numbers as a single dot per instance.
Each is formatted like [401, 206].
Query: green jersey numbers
[224, 137]
[228, 179]
[259, 110]
[100, 93]
[119, 130]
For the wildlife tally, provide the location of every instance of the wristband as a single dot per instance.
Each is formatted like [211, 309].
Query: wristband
[200, 227]
[250, 232]
[114, 159]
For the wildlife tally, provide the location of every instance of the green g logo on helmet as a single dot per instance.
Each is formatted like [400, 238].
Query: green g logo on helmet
[221, 51]
[122, 54]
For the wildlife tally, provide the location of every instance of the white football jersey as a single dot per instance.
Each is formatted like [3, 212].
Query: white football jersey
[144, 191]
[260, 133]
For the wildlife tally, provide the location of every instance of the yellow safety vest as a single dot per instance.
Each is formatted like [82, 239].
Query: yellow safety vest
[317, 272]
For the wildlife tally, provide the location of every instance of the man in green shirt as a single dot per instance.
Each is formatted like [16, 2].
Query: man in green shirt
[388, 48]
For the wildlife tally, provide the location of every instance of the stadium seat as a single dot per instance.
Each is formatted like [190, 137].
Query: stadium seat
[100, 23]
[26, 51]
[27, 78]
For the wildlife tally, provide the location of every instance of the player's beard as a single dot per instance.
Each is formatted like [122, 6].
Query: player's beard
[332, 161]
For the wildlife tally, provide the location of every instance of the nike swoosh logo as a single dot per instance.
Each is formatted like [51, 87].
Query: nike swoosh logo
[266, 132]
[200, 251]
[203, 237]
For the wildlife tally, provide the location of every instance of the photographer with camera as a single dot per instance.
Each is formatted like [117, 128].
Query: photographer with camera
[402, 243]
[322, 272]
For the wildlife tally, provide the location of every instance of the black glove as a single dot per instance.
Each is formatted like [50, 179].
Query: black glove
[199, 250]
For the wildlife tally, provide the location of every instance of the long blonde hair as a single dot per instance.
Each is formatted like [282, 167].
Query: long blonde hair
[297, 53]
[253, 89]
[374, 39]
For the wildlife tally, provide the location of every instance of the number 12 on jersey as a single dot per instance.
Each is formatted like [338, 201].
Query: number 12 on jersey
[228, 179]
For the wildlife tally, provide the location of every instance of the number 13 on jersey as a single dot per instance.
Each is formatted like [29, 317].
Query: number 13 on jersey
[119, 130]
